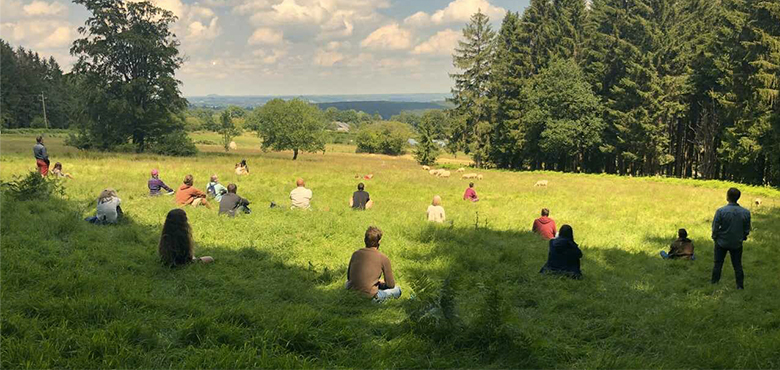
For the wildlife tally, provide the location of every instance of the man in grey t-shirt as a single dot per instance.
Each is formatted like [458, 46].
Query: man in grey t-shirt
[730, 228]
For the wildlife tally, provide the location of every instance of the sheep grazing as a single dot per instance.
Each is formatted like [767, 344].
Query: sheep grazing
[426, 168]
[758, 202]
[232, 145]
[433, 172]
[541, 183]
[444, 174]
[461, 169]
[469, 176]
[479, 177]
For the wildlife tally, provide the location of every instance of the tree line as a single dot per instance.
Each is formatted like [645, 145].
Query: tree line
[685, 88]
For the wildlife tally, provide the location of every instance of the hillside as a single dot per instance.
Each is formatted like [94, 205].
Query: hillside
[385, 109]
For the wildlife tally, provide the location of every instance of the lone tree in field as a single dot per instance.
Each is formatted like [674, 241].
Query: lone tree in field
[126, 65]
[427, 150]
[294, 125]
[473, 56]
[227, 129]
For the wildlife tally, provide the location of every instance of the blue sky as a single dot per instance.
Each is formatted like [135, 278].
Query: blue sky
[286, 47]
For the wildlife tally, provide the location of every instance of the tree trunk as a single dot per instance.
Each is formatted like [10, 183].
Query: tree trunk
[295, 153]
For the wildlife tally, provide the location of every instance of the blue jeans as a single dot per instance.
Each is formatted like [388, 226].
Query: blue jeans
[386, 294]
[666, 256]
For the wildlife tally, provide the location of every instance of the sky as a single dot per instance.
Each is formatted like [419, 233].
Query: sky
[285, 47]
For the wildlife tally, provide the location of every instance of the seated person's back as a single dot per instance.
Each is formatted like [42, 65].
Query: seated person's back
[564, 255]
[367, 265]
[470, 193]
[231, 202]
[108, 210]
[435, 211]
[544, 226]
[682, 247]
[156, 185]
[300, 197]
[360, 199]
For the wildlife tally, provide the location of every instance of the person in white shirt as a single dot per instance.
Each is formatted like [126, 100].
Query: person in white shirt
[108, 209]
[300, 196]
[436, 211]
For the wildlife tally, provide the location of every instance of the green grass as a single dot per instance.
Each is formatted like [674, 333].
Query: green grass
[76, 295]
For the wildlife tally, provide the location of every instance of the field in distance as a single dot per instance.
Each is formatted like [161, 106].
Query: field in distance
[81, 296]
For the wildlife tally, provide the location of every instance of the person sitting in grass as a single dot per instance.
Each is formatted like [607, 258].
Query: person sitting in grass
[564, 255]
[242, 168]
[176, 246]
[155, 184]
[470, 193]
[366, 267]
[108, 208]
[300, 197]
[57, 171]
[544, 226]
[681, 248]
[436, 211]
[188, 194]
[215, 189]
[360, 199]
[231, 202]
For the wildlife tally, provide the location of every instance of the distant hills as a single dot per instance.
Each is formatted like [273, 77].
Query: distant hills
[386, 105]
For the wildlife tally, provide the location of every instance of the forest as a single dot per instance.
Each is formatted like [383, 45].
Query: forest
[684, 88]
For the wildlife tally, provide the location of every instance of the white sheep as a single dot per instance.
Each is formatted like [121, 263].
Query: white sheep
[444, 173]
[541, 183]
[461, 169]
[758, 202]
[469, 176]
[426, 168]
[232, 145]
[479, 177]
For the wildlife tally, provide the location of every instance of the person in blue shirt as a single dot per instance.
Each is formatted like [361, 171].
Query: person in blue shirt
[730, 228]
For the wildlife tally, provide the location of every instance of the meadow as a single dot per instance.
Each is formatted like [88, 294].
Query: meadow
[75, 295]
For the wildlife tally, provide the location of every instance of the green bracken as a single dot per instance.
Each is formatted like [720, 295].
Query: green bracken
[76, 295]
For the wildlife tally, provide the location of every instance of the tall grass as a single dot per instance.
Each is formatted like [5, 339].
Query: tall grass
[82, 296]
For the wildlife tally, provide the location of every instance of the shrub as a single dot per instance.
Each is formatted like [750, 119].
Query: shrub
[33, 186]
[176, 144]
[384, 138]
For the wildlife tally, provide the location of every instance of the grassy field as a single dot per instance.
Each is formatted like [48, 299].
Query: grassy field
[76, 295]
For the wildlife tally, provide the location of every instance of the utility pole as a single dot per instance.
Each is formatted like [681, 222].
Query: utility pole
[43, 101]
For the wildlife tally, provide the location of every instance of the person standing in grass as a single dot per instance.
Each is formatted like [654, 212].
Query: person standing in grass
[564, 255]
[682, 248]
[188, 194]
[108, 208]
[730, 227]
[155, 184]
[435, 211]
[544, 226]
[215, 189]
[368, 265]
[231, 202]
[176, 246]
[470, 193]
[360, 199]
[41, 156]
[300, 196]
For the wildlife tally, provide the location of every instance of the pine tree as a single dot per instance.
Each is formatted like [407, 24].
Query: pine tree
[473, 56]
[427, 150]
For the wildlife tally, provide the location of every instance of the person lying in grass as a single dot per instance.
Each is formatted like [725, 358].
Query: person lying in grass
[108, 209]
[155, 184]
[215, 189]
[176, 246]
[360, 199]
[57, 171]
[367, 265]
[681, 248]
[564, 255]
[470, 193]
[435, 211]
[188, 194]
[231, 203]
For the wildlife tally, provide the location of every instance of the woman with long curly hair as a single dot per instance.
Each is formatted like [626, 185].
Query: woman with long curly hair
[176, 246]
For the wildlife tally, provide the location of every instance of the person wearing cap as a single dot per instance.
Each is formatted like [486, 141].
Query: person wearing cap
[300, 197]
[155, 184]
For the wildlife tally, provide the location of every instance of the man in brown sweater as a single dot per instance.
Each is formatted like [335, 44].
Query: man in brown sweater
[367, 265]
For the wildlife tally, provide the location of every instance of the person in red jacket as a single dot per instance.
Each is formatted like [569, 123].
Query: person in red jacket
[544, 226]
[470, 193]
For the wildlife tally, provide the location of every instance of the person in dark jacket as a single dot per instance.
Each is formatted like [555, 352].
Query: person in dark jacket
[564, 255]
[361, 199]
[730, 227]
[41, 156]
[544, 226]
[682, 248]
[231, 202]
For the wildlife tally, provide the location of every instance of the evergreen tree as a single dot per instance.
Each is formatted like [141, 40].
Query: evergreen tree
[427, 150]
[473, 56]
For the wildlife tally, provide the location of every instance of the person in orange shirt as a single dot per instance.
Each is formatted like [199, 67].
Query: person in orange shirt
[188, 194]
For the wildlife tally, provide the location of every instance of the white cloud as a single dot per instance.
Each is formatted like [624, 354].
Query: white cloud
[61, 37]
[269, 57]
[456, 11]
[199, 31]
[39, 35]
[42, 8]
[442, 43]
[266, 36]
[327, 58]
[391, 37]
